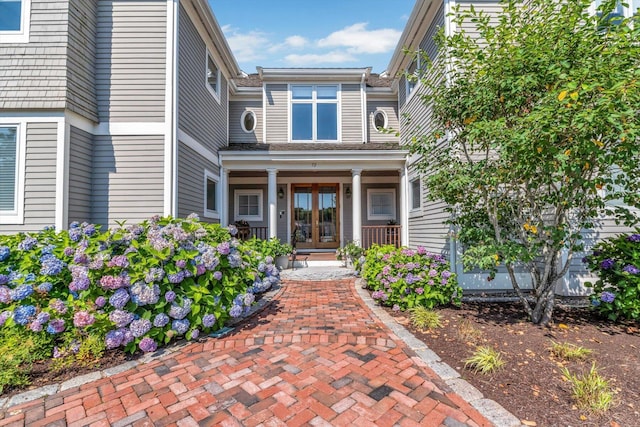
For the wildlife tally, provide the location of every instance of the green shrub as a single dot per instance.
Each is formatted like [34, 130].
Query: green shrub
[485, 360]
[424, 318]
[590, 391]
[566, 351]
[616, 261]
[18, 349]
[406, 278]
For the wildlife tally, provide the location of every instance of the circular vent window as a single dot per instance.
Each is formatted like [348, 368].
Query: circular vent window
[248, 121]
[379, 120]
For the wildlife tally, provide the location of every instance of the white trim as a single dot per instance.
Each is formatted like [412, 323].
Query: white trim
[216, 92]
[314, 101]
[375, 217]
[171, 112]
[264, 114]
[215, 214]
[196, 146]
[21, 36]
[16, 216]
[363, 107]
[130, 128]
[413, 210]
[373, 119]
[255, 121]
[239, 192]
[62, 175]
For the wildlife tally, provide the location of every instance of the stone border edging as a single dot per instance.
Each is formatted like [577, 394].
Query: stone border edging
[48, 390]
[490, 409]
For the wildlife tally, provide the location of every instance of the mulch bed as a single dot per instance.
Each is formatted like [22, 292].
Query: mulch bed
[531, 384]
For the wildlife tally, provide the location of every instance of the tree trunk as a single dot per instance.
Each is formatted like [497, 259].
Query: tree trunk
[543, 311]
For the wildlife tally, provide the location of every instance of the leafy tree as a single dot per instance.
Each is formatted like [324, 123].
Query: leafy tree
[535, 130]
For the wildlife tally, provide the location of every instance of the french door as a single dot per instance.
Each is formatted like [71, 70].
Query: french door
[315, 216]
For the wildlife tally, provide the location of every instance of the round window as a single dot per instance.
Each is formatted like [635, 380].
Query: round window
[248, 121]
[379, 120]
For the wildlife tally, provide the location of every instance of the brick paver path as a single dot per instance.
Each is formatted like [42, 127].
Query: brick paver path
[314, 356]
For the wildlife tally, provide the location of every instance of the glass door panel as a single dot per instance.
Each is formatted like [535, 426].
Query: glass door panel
[315, 216]
[302, 228]
[327, 216]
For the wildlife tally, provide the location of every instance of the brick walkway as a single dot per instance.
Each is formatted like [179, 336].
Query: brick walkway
[314, 356]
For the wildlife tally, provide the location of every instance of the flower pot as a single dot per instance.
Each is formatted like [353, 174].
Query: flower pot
[282, 262]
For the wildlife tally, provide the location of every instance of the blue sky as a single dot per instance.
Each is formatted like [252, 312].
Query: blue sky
[309, 33]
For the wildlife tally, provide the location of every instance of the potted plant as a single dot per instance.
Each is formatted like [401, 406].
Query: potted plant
[279, 251]
[349, 253]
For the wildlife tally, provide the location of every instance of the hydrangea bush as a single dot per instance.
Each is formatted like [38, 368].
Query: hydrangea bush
[616, 261]
[138, 286]
[405, 278]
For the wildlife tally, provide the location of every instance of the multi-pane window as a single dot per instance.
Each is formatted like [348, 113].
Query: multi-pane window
[8, 168]
[381, 204]
[211, 201]
[213, 77]
[314, 112]
[248, 205]
[415, 194]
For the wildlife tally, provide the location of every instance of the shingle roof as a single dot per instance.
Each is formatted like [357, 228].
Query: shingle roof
[377, 146]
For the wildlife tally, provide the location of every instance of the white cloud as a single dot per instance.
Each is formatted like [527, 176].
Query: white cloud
[357, 39]
[247, 47]
[309, 59]
[291, 42]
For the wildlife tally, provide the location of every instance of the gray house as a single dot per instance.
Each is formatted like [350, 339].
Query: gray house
[118, 110]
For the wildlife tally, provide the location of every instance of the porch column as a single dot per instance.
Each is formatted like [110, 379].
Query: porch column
[356, 194]
[224, 196]
[404, 206]
[273, 202]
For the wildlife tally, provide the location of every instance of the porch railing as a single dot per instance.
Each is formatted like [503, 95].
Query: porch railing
[246, 233]
[381, 234]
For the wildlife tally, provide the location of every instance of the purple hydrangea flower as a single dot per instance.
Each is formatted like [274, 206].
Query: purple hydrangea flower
[631, 269]
[140, 327]
[634, 238]
[200, 269]
[4, 253]
[119, 299]
[4, 279]
[58, 306]
[176, 278]
[114, 282]
[236, 311]
[381, 295]
[161, 320]
[50, 265]
[607, 296]
[83, 318]
[23, 313]
[170, 296]
[446, 274]
[195, 334]
[121, 318]
[181, 263]
[235, 260]
[119, 261]
[68, 251]
[21, 292]
[217, 275]
[27, 244]
[35, 326]
[154, 275]
[127, 336]
[89, 229]
[56, 326]
[43, 317]
[180, 312]
[101, 301]
[4, 316]
[143, 294]
[208, 320]
[113, 339]
[420, 291]
[607, 264]
[396, 307]
[181, 326]
[223, 248]
[248, 299]
[5, 295]
[45, 287]
[75, 234]
[148, 345]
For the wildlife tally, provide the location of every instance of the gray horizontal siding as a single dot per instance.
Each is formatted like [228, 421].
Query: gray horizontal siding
[236, 134]
[81, 94]
[490, 8]
[23, 84]
[127, 178]
[276, 114]
[130, 60]
[391, 109]
[80, 154]
[199, 114]
[351, 115]
[191, 167]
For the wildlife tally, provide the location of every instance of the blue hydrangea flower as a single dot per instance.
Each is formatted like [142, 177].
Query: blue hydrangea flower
[21, 292]
[101, 301]
[113, 339]
[4, 279]
[43, 317]
[154, 275]
[119, 299]
[121, 318]
[27, 244]
[176, 278]
[235, 260]
[140, 327]
[607, 264]
[56, 326]
[607, 296]
[45, 287]
[161, 320]
[50, 265]
[23, 313]
[143, 294]
[75, 234]
[170, 296]
[236, 311]
[208, 320]
[631, 269]
[181, 326]
[634, 238]
[4, 253]
[180, 312]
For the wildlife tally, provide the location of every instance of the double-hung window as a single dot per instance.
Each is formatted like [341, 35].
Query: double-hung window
[314, 112]
[248, 205]
[14, 21]
[213, 77]
[211, 202]
[415, 194]
[11, 173]
[381, 204]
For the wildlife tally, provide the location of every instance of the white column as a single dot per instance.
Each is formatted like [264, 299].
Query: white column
[224, 197]
[356, 194]
[404, 206]
[273, 202]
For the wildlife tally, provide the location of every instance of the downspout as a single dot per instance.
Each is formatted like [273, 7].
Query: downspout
[449, 29]
[363, 103]
[174, 113]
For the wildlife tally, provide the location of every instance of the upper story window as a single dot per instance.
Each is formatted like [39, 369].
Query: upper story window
[14, 21]
[11, 173]
[380, 120]
[414, 70]
[627, 8]
[248, 121]
[415, 194]
[213, 77]
[314, 112]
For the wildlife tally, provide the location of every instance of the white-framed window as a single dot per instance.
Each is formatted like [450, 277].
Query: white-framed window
[379, 120]
[381, 204]
[314, 112]
[415, 194]
[414, 69]
[15, 17]
[211, 195]
[213, 77]
[12, 171]
[632, 8]
[248, 205]
[248, 121]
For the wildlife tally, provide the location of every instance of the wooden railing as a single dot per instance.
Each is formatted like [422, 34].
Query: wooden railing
[246, 233]
[381, 234]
